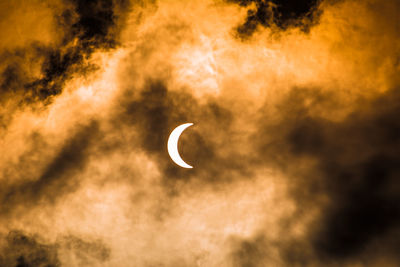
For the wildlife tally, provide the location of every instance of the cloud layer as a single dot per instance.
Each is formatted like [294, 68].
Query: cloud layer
[295, 141]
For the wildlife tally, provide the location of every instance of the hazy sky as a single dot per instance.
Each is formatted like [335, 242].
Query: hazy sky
[295, 143]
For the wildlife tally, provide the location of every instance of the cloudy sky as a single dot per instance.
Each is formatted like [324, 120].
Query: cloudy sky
[295, 143]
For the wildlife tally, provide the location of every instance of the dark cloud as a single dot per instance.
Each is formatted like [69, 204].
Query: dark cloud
[93, 24]
[359, 168]
[87, 252]
[353, 163]
[56, 179]
[21, 250]
[250, 253]
[85, 26]
[157, 111]
[24, 250]
[280, 13]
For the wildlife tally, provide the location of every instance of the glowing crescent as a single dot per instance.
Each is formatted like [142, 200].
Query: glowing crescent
[173, 145]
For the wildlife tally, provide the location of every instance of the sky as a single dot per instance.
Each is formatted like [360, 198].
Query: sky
[295, 140]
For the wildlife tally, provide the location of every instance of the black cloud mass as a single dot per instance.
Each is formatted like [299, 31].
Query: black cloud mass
[282, 14]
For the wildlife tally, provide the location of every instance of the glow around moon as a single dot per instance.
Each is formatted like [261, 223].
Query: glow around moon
[173, 145]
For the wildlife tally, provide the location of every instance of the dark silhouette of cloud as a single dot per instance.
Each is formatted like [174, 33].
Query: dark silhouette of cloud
[355, 166]
[280, 13]
[24, 250]
[84, 28]
[58, 177]
[157, 111]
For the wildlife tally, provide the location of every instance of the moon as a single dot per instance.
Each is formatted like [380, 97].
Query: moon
[173, 145]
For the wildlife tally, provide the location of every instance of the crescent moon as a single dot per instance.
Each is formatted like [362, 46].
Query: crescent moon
[173, 145]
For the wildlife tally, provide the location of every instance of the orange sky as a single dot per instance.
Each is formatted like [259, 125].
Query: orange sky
[294, 143]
